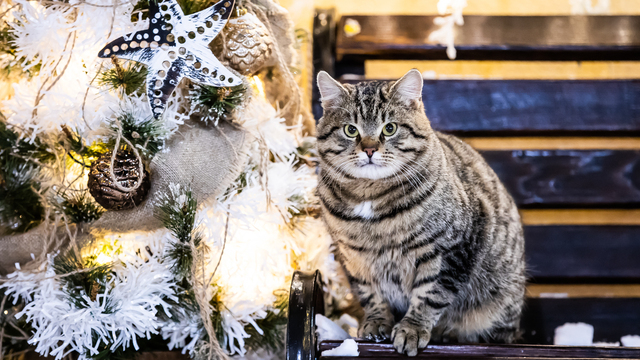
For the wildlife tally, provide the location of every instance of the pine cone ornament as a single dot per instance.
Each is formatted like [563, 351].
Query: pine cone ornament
[248, 45]
[127, 172]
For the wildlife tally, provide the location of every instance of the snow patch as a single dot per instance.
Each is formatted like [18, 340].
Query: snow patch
[329, 330]
[602, 343]
[630, 340]
[574, 334]
[348, 347]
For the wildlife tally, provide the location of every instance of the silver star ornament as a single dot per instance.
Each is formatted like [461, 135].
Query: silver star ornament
[176, 46]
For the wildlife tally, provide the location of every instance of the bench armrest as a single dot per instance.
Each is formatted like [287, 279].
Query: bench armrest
[306, 299]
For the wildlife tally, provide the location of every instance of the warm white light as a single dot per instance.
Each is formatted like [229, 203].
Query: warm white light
[103, 259]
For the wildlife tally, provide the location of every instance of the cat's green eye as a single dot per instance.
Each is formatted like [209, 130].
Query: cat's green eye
[351, 131]
[389, 129]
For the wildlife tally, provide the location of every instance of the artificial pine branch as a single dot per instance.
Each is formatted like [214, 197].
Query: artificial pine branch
[145, 134]
[177, 211]
[217, 102]
[80, 285]
[79, 207]
[21, 205]
[273, 326]
[80, 153]
[130, 78]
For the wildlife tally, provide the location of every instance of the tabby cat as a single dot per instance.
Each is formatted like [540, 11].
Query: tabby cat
[430, 239]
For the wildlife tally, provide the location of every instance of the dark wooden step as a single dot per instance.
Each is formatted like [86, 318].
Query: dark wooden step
[579, 254]
[611, 318]
[569, 178]
[494, 38]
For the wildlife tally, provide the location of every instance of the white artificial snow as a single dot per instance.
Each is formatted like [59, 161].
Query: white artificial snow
[349, 347]
[602, 343]
[574, 334]
[329, 330]
[630, 340]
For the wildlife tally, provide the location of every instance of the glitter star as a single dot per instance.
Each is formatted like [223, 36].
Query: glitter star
[176, 46]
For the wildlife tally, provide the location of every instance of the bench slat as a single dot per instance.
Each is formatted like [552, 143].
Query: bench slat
[612, 318]
[566, 178]
[495, 38]
[381, 351]
[571, 254]
[520, 107]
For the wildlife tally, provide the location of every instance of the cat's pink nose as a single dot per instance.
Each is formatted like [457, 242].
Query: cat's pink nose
[370, 151]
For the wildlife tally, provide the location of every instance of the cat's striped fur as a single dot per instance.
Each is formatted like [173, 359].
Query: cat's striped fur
[429, 237]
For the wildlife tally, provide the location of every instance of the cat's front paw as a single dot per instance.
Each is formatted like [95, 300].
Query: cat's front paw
[408, 337]
[378, 330]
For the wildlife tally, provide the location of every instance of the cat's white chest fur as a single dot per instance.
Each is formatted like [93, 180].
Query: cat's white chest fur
[364, 210]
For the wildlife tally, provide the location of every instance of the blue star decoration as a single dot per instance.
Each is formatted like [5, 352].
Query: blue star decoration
[174, 47]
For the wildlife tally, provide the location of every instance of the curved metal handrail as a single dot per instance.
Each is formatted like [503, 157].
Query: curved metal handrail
[305, 301]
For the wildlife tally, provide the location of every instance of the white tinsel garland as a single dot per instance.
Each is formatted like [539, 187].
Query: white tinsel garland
[125, 312]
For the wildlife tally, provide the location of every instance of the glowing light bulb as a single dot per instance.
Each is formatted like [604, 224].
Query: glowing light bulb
[103, 259]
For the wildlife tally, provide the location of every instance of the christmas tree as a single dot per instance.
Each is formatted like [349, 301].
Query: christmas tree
[157, 178]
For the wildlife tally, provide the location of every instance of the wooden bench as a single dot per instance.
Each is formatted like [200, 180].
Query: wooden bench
[567, 150]
[306, 300]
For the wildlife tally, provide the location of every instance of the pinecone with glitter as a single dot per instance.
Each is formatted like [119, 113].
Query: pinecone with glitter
[126, 170]
[248, 46]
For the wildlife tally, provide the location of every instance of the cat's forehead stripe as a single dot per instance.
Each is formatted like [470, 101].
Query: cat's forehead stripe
[370, 101]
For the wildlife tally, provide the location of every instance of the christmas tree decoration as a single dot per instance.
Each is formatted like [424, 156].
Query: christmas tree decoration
[174, 47]
[197, 261]
[246, 46]
[120, 182]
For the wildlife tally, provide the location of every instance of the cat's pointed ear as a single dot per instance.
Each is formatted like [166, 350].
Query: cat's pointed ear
[409, 88]
[330, 90]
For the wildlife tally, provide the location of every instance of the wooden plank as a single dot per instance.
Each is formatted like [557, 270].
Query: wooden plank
[504, 70]
[567, 178]
[526, 107]
[554, 143]
[611, 318]
[385, 350]
[580, 216]
[495, 38]
[602, 254]
[583, 290]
